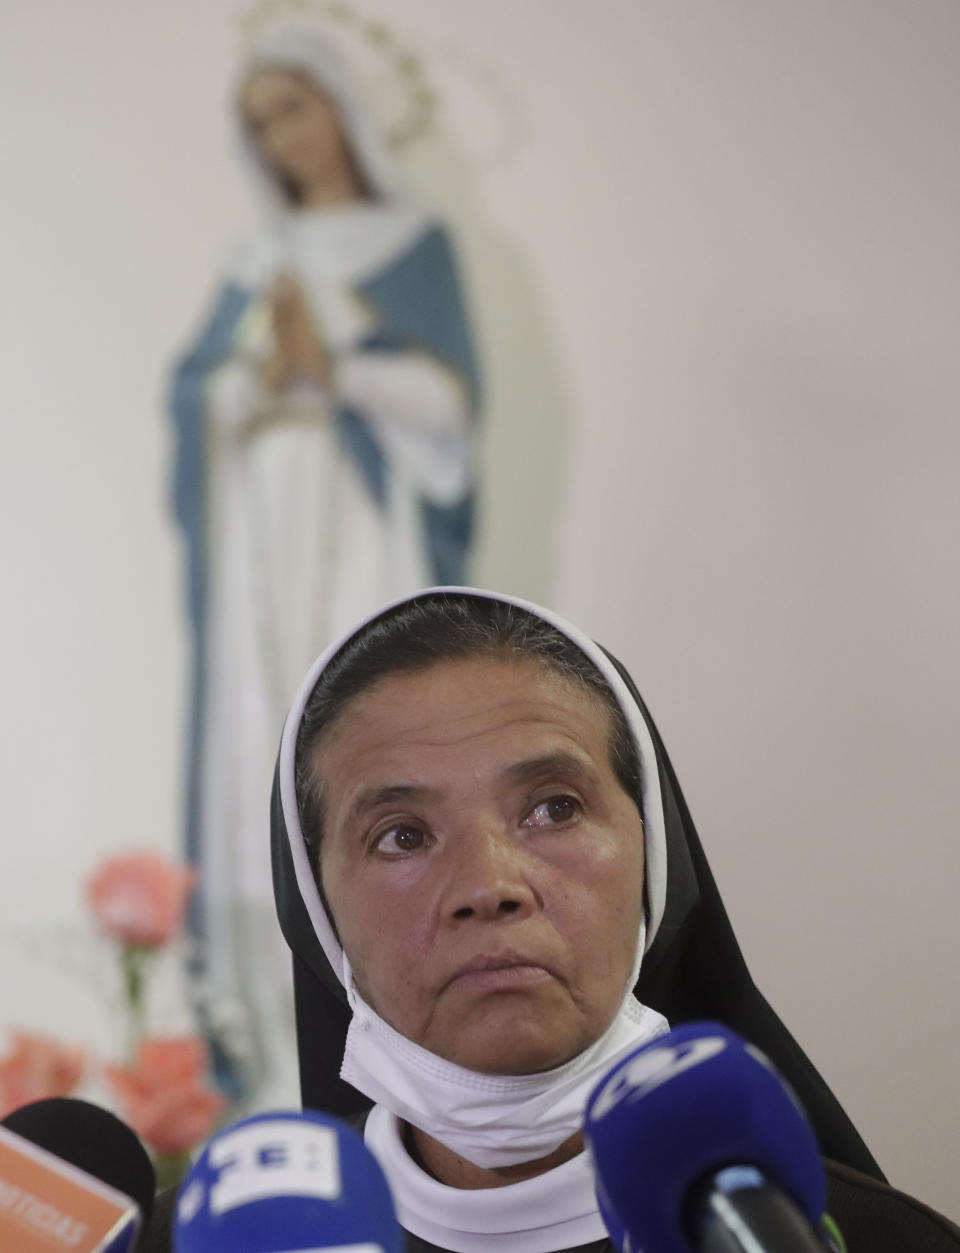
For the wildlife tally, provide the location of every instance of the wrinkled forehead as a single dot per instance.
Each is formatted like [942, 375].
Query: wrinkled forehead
[459, 697]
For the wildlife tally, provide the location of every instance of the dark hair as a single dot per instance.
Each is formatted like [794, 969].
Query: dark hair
[444, 626]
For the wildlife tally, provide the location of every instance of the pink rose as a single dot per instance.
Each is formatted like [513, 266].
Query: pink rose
[139, 898]
[37, 1067]
[165, 1097]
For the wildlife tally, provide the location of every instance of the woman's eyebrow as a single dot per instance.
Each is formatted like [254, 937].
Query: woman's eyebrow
[374, 797]
[549, 765]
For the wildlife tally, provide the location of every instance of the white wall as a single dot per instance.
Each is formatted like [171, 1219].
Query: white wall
[737, 229]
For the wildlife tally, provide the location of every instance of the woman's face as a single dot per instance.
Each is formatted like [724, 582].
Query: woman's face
[482, 862]
[296, 130]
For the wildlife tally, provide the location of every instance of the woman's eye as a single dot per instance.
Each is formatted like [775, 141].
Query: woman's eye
[399, 840]
[552, 812]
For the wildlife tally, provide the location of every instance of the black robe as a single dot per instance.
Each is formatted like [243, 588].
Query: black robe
[873, 1217]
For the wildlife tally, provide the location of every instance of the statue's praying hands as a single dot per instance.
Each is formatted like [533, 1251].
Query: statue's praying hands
[299, 353]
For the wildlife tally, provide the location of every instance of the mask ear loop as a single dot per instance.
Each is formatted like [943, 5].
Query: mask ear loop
[630, 1007]
[349, 986]
[628, 998]
[360, 1023]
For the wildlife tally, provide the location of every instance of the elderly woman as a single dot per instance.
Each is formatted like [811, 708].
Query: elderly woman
[324, 464]
[493, 889]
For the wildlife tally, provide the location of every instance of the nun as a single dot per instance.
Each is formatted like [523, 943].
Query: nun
[493, 889]
[324, 464]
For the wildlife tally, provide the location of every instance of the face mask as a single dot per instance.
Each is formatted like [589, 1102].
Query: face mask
[491, 1120]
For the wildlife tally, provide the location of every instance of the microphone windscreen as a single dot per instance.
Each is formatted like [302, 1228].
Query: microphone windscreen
[286, 1181]
[92, 1139]
[682, 1107]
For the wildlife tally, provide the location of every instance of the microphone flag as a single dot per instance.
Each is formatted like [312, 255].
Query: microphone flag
[49, 1206]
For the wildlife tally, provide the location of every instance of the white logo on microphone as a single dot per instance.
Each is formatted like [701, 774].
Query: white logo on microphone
[276, 1157]
[650, 1069]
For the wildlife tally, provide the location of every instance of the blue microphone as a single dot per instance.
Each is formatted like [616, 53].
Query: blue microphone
[286, 1182]
[699, 1146]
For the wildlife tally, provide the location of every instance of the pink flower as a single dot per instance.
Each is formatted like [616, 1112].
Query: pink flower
[37, 1067]
[139, 898]
[165, 1097]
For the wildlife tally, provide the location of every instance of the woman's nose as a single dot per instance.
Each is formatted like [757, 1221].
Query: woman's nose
[489, 876]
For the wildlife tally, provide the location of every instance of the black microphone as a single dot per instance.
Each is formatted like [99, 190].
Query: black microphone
[699, 1146]
[72, 1176]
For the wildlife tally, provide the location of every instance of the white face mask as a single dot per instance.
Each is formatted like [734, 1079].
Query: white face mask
[491, 1120]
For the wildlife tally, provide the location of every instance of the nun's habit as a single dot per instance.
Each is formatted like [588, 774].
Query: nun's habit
[305, 511]
[692, 969]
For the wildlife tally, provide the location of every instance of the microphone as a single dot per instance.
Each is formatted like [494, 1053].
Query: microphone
[286, 1182]
[699, 1146]
[73, 1177]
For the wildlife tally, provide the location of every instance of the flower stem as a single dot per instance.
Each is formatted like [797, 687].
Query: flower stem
[170, 1168]
[134, 959]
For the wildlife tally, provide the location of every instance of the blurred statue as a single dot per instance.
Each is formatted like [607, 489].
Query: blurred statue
[324, 464]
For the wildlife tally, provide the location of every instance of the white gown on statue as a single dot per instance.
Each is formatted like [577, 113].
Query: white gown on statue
[298, 550]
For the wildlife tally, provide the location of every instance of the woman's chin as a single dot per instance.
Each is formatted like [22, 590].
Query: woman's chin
[519, 1049]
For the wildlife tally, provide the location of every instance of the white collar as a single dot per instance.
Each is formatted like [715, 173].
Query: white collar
[344, 244]
[553, 1211]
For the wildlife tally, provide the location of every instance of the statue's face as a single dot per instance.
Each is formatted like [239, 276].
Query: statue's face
[295, 128]
[482, 862]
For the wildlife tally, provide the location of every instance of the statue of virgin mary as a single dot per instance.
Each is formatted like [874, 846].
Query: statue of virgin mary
[324, 464]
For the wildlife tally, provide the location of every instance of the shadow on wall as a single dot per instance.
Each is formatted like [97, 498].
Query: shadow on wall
[526, 411]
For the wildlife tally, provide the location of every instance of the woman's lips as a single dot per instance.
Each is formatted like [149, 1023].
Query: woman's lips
[501, 973]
